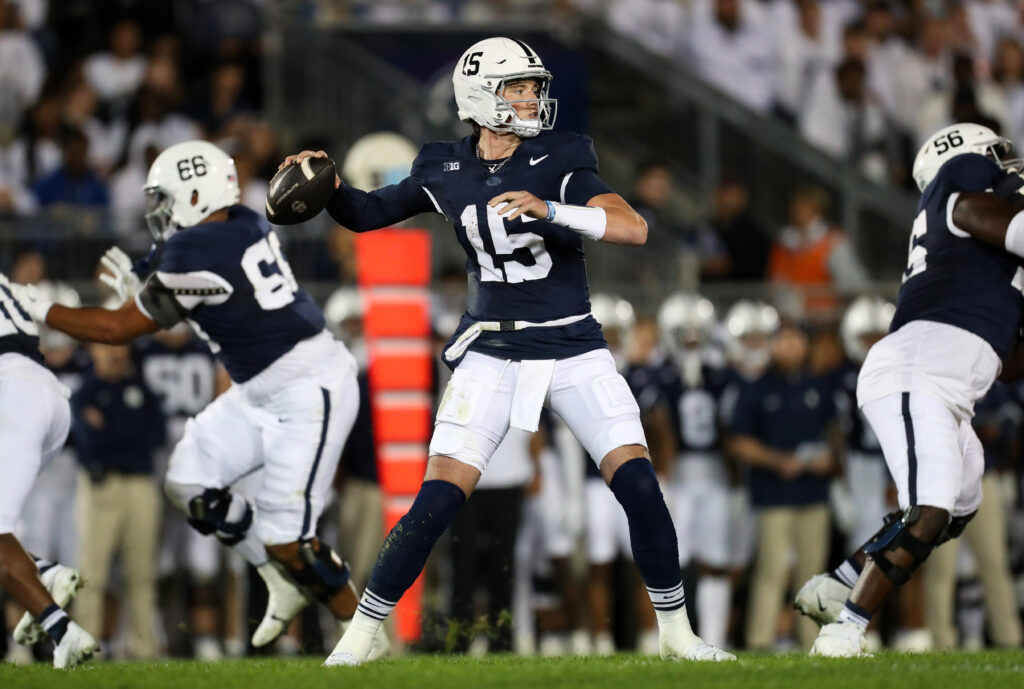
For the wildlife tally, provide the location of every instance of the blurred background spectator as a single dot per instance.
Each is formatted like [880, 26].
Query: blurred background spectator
[784, 427]
[118, 425]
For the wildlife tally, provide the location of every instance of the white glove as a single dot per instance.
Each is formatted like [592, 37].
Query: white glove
[31, 299]
[121, 279]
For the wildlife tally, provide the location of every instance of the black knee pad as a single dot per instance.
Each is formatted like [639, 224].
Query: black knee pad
[956, 528]
[323, 573]
[209, 514]
[895, 535]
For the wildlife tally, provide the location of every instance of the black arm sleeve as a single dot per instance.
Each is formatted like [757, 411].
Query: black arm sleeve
[361, 211]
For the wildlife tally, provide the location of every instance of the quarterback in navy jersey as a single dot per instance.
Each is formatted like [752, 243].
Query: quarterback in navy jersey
[522, 200]
[219, 267]
[34, 422]
[957, 319]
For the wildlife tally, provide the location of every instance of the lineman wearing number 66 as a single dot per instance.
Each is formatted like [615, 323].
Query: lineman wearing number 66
[522, 200]
[219, 267]
[956, 328]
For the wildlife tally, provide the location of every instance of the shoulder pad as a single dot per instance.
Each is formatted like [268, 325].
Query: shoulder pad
[576, 151]
[432, 156]
[969, 172]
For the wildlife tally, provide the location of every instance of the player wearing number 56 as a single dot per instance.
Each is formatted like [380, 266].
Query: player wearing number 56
[219, 267]
[956, 327]
[522, 199]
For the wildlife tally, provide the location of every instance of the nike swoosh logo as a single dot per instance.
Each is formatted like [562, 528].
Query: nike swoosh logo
[535, 161]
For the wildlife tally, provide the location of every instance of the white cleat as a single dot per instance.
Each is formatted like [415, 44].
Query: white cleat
[822, 598]
[76, 647]
[285, 600]
[62, 583]
[341, 659]
[359, 642]
[695, 649]
[840, 640]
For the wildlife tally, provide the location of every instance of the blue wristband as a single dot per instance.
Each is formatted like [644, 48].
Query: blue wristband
[551, 211]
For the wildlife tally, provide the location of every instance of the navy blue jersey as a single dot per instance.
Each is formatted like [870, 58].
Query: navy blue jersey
[784, 413]
[524, 269]
[72, 370]
[184, 378]
[695, 410]
[231, 282]
[953, 278]
[130, 427]
[18, 333]
[860, 438]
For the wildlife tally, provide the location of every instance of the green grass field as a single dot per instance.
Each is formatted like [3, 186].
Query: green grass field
[1003, 669]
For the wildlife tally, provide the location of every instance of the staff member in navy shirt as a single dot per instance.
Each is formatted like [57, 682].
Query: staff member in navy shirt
[118, 425]
[784, 427]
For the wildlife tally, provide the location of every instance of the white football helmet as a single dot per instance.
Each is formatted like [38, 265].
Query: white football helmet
[865, 316]
[377, 160]
[342, 308]
[482, 73]
[957, 139]
[186, 183]
[686, 321]
[749, 326]
[612, 312]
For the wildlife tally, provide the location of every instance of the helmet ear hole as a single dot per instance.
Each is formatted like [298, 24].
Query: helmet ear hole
[195, 197]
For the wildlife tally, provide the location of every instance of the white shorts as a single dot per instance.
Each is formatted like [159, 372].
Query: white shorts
[586, 391]
[702, 511]
[945, 362]
[49, 509]
[934, 457]
[294, 429]
[34, 422]
[607, 526]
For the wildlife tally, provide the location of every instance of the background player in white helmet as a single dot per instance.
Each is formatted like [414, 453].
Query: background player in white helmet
[749, 326]
[219, 266]
[865, 322]
[956, 328]
[701, 479]
[521, 199]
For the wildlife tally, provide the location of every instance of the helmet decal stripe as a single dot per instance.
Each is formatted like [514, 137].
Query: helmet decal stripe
[530, 55]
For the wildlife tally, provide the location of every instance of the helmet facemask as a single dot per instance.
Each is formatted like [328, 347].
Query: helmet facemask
[159, 213]
[547, 108]
[1004, 147]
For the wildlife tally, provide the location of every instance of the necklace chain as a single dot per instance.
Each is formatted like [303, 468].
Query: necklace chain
[496, 166]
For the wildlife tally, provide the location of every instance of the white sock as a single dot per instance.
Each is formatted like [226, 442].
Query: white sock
[854, 614]
[846, 573]
[251, 547]
[675, 625]
[358, 637]
[714, 595]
